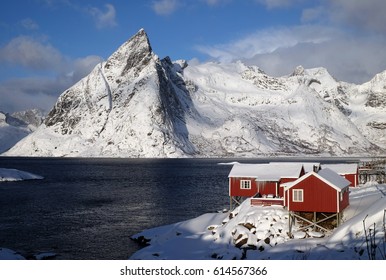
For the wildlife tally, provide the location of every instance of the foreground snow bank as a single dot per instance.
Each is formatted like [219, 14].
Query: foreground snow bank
[7, 254]
[258, 232]
[16, 175]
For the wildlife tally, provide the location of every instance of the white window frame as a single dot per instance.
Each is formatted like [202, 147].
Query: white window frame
[245, 184]
[297, 195]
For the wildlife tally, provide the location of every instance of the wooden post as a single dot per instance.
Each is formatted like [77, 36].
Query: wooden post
[291, 222]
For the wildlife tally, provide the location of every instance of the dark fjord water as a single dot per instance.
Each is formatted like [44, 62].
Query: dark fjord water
[89, 208]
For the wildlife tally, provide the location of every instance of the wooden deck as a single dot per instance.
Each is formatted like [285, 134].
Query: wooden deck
[267, 201]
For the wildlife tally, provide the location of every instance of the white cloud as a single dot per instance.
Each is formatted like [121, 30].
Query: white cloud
[31, 53]
[271, 4]
[350, 59]
[347, 37]
[165, 7]
[105, 18]
[369, 14]
[26, 93]
[313, 14]
[29, 24]
[278, 51]
[28, 53]
[216, 2]
[267, 41]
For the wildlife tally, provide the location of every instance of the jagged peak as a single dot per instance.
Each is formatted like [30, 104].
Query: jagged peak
[140, 38]
[132, 51]
[298, 71]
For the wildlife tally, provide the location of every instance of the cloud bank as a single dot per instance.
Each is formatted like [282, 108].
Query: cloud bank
[347, 37]
[38, 56]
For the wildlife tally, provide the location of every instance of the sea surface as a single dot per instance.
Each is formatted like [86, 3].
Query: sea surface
[88, 208]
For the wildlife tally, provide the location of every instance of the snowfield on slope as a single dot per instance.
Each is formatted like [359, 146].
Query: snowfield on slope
[137, 105]
[260, 232]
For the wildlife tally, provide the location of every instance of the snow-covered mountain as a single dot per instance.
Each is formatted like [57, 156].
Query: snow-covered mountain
[137, 105]
[16, 126]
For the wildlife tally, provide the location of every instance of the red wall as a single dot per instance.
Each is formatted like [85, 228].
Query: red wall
[353, 178]
[286, 180]
[345, 202]
[317, 197]
[262, 187]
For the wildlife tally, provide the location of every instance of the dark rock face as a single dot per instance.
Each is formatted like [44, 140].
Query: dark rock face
[136, 53]
[376, 99]
[377, 125]
[133, 56]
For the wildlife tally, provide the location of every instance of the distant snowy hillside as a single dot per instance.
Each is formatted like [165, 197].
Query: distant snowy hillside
[137, 105]
[16, 126]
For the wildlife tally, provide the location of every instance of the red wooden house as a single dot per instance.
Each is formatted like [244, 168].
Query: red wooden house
[261, 180]
[325, 191]
[350, 171]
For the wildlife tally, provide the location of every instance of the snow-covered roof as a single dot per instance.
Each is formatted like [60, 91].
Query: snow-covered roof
[266, 172]
[308, 166]
[327, 175]
[244, 170]
[334, 178]
[342, 168]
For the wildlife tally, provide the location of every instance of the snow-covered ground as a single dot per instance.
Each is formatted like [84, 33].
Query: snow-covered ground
[16, 175]
[260, 232]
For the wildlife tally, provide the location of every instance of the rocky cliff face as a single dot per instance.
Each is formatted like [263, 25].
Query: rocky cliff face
[137, 105]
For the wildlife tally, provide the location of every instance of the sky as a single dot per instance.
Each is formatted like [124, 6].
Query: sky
[48, 45]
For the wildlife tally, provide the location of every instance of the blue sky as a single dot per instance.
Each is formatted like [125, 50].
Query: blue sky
[48, 45]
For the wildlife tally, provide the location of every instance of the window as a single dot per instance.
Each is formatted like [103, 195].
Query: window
[245, 184]
[297, 195]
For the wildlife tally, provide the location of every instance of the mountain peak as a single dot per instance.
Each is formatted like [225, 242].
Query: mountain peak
[298, 71]
[136, 105]
[134, 52]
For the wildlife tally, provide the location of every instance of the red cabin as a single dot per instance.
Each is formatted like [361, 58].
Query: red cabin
[325, 192]
[261, 180]
[350, 171]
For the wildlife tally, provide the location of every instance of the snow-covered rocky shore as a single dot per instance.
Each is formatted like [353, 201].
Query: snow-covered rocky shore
[261, 232]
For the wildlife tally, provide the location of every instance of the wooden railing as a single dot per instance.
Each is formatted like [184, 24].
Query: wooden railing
[265, 201]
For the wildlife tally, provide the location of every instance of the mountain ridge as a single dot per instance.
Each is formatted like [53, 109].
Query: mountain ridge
[137, 105]
[16, 126]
